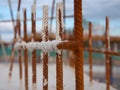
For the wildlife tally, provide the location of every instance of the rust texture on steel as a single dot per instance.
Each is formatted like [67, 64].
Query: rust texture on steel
[15, 32]
[25, 51]
[20, 51]
[59, 62]
[90, 52]
[34, 51]
[107, 57]
[69, 45]
[78, 32]
[45, 55]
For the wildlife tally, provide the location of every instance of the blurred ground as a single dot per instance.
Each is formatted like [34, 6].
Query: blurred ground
[69, 80]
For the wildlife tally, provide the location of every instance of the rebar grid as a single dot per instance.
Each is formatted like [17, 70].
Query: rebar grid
[76, 45]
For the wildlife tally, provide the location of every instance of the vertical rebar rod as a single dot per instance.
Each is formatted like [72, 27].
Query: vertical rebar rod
[90, 52]
[20, 52]
[64, 11]
[20, 64]
[34, 51]
[25, 51]
[79, 52]
[52, 14]
[59, 62]
[34, 2]
[45, 55]
[15, 33]
[12, 17]
[107, 55]
[12, 53]
[11, 64]
[19, 3]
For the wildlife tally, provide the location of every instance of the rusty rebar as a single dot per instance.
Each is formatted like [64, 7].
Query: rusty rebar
[69, 45]
[90, 52]
[59, 69]
[107, 56]
[73, 45]
[12, 16]
[45, 55]
[45, 71]
[34, 51]
[78, 32]
[103, 51]
[25, 51]
[15, 36]
[19, 4]
[52, 14]
[20, 64]
[12, 61]
[37, 19]
[12, 53]
[19, 51]
[64, 11]
[15, 33]
[59, 62]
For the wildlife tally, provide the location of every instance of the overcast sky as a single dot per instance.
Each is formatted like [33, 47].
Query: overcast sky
[93, 10]
[97, 9]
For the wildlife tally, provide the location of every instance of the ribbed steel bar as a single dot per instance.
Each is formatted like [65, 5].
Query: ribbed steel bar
[90, 52]
[73, 45]
[34, 51]
[12, 61]
[13, 53]
[45, 55]
[68, 16]
[11, 13]
[52, 15]
[20, 51]
[25, 52]
[19, 3]
[78, 32]
[107, 56]
[69, 45]
[59, 62]
[14, 28]
[103, 51]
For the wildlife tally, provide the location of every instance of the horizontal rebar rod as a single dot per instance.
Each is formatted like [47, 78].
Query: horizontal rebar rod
[104, 51]
[69, 16]
[72, 45]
